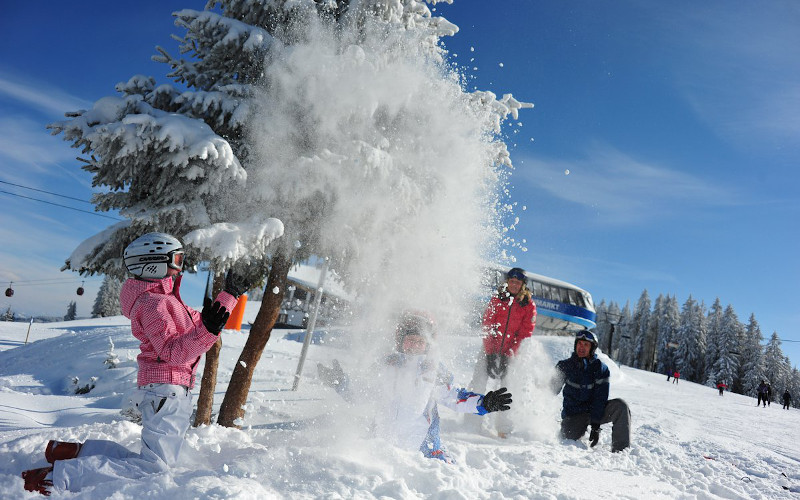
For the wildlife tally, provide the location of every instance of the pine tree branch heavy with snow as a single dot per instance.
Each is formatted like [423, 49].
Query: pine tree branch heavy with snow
[341, 119]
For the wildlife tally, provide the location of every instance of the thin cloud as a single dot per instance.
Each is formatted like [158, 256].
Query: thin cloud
[622, 189]
[27, 141]
[739, 69]
[591, 273]
[44, 97]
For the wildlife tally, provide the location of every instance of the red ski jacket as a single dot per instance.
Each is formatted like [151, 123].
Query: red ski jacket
[172, 334]
[506, 322]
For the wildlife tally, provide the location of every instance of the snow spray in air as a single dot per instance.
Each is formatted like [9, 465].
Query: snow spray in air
[377, 159]
[373, 156]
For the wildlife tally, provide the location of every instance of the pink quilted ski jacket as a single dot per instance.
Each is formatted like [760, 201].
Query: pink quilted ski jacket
[172, 334]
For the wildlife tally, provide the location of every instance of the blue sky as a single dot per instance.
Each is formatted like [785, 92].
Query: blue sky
[661, 152]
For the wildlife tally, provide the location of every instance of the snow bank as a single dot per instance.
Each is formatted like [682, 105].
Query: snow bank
[688, 442]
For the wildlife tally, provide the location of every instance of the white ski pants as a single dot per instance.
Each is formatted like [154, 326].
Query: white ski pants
[166, 411]
[480, 379]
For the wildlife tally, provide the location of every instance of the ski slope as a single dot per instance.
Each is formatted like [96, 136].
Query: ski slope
[688, 442]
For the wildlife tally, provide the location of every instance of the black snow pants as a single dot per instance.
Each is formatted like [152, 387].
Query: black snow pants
[617, 412]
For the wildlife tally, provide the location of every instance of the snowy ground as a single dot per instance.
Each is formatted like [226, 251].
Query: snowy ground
[688, 442]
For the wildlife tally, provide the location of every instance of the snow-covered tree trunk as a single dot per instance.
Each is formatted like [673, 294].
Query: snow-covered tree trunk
[232, 409]
[208, 382]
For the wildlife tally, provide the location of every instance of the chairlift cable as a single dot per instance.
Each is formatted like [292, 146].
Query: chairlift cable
[52, 281]
[47, 192]
[59, 205]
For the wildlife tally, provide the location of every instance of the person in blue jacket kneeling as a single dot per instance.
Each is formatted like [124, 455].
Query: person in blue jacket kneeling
[585, 382]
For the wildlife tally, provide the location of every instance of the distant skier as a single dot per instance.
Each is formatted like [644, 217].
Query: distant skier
[585, 382]
[676, 375]
[172, 338]
[762, 391]
[769, 394]
[412, 386]
[721, 386]
[787, 398]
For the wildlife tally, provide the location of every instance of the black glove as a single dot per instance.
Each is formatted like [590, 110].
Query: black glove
[332, 377]
[491, 365]
[335, 377]
[498, 400]
[594, 435]
[235, 284]
[214, 317]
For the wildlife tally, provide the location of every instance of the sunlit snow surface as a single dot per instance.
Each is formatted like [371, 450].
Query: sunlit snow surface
[688, 442]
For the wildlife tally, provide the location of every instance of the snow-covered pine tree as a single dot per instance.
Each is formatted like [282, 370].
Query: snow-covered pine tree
[72, 311]
[8, 315]
[638, 330]
[609, 334]
[624, 344]
[602, 326]
[793, 386]
[107, 301]
[725, 367]
[714, 338]
[751, 368]
[691, 341]
[776, 368]
[784, 379]
[668, 325]
[651, 335]
[310, 139]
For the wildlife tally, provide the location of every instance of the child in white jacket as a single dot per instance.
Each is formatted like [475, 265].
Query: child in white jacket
[412, 387]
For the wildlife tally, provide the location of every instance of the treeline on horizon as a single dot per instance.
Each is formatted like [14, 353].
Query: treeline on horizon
[705, 345]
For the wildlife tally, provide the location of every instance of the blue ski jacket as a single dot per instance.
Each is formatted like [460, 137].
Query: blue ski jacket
[585, 385]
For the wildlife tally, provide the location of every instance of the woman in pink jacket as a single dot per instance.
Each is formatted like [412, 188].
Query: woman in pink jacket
[172, 338]
[509, 319]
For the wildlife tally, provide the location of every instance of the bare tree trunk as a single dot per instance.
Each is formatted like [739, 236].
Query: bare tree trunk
[236, 396]
[205, 401]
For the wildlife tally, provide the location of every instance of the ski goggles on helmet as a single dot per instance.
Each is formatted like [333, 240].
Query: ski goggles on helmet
[586, 335]
[516, 273]
[175, 259]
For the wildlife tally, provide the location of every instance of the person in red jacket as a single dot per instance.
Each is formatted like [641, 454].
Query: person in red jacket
[509, 318]
[172, 338]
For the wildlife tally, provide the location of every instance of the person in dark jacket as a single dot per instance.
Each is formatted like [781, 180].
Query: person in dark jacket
[585, 382]
[509, 319]
[762, 393]
[787, 398]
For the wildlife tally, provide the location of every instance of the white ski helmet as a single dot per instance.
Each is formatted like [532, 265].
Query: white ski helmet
[151, 255]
